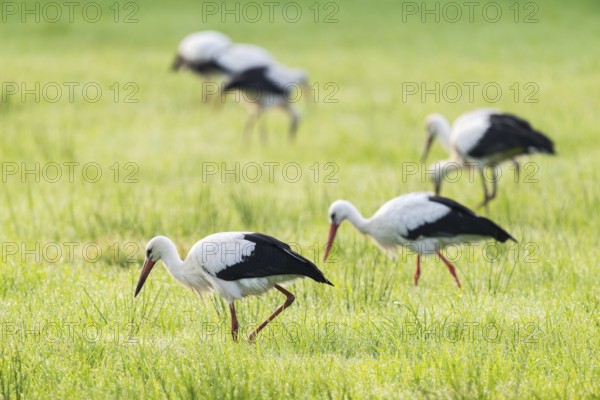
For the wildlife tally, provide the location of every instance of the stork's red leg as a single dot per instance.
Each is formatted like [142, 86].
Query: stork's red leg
[234, 322]
[450, 268]
[288, 301]
[418, 271]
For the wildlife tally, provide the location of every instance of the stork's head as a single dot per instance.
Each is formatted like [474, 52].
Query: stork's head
[437, 126]
[156, 249]
[178, 63]
[339, 211]
[199, 47]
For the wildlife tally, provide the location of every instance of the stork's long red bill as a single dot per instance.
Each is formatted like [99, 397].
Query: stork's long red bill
[148, 264]
[332, 230]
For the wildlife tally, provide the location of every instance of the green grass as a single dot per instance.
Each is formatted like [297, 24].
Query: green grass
[524, 326]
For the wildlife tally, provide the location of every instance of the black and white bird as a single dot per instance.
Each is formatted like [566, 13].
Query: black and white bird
[484, 138]
[267, 87]
[211, 53]
[235, 265]
[422, 222]
[197, 52]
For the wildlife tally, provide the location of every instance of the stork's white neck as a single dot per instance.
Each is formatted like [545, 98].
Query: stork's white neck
[356, 219]
[443, 132]
[172, 261]
[170, 257]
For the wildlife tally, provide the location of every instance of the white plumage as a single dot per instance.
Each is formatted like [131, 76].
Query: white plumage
[219, 251]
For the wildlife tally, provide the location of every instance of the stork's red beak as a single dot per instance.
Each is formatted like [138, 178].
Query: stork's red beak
[148, 264]
[332, 230]
[427, 147]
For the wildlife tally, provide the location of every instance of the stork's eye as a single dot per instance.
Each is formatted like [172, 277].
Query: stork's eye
[332, 216]
[148, 253]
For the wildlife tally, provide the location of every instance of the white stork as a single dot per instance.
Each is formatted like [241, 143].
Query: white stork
[267, 87]
[235, 265]
[483, 138]
[210, 53]
[419, 221]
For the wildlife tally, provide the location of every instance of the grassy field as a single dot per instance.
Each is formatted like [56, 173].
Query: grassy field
[87, 180]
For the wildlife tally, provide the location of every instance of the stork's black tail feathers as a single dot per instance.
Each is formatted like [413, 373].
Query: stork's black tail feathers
[540, 143]
[535, 141]
[495, 231]
[274, 257]
[463, 221]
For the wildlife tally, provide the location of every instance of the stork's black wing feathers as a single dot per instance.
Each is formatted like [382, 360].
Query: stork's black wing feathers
[271, 257]
[256, 81]
[511, 134]
[459, 221]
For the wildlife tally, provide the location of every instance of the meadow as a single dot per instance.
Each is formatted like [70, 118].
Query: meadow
[104, 147]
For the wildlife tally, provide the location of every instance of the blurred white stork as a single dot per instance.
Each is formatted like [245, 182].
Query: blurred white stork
[211, 53]
[267, 87]
[484, 138]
